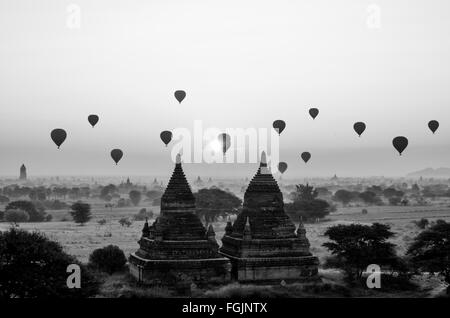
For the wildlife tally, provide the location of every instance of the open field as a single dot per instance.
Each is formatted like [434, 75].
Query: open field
[80, 241]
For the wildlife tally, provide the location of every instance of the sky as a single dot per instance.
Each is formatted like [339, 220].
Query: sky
[243, 64]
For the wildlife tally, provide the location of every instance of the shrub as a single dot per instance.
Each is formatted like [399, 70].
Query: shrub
[101, 222]
[143, 214]
[36, 214]
[125, 222]
[16, 216]
[108, 259]
[121, 203]
[422, 223]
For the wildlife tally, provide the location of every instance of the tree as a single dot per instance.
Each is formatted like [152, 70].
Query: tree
[343, 196]
[212, 203]
[430, 251]
[135, 197]
[107, 191]
[125, 222]
[422, 223]
[143, 214]
[305, 192]
[369, 197]
[391, 192]
[153, 194]
[395, 200]
[16, 216]
[36, 215]
[33, 266]
[4, 199]
[108, 259]
[356, 246]
[306, 205]
[81, 212]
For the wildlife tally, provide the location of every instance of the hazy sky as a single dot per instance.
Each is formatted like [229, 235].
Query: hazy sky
[242, 63]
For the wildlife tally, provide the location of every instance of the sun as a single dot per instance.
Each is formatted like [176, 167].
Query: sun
[215, 146]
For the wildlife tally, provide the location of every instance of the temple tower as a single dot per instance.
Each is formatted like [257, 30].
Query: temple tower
[263, 244]
[23, 173]
[177, 249]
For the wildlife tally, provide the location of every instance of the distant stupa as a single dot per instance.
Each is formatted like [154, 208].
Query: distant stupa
[23, 172]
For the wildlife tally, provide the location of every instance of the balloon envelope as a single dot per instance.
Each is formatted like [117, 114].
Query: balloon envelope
[359, 127]
[225, 141]
[306, 156]
[400, 143]
[313, 112]
[166, 137]
[279, 126]
[58, 136]
[433, 125]
[116, 155]
[180, 95]
[282, 166]
[93, 120]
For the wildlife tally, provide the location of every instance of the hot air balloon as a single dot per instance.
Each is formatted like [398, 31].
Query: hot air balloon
[58, 136]
[400, 143]
[166, 136]
[93, 120]
[279, 126]
[433, 125]
[282, 167]
[116, 155]
[359, 127]
[180, 95]
[306, 156]
[225, 141]
[313, 112]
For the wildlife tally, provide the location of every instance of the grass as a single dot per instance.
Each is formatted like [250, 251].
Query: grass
[80, 241]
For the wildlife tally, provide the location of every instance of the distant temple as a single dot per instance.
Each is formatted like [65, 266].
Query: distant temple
[23, 172]
[263, 244]
[177, 249]
[334, 178]
[198, 182]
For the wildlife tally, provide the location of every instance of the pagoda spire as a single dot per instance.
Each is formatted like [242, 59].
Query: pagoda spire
[247, 230]
[146, 229]
[178, 196]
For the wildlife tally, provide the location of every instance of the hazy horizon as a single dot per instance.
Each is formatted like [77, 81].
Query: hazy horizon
[242, 64]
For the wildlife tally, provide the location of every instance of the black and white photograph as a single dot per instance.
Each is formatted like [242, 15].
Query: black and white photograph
[224, 154]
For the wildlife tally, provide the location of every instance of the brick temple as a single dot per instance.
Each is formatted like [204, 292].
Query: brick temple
[263, 244]
[177, 248]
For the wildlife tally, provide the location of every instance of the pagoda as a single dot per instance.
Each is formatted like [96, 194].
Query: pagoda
[23, 172]
[177, 248]
[263, 244]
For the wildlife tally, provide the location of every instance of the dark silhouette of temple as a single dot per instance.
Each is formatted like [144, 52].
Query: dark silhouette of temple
[23, 173]
[177, 249]
[263, 244]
